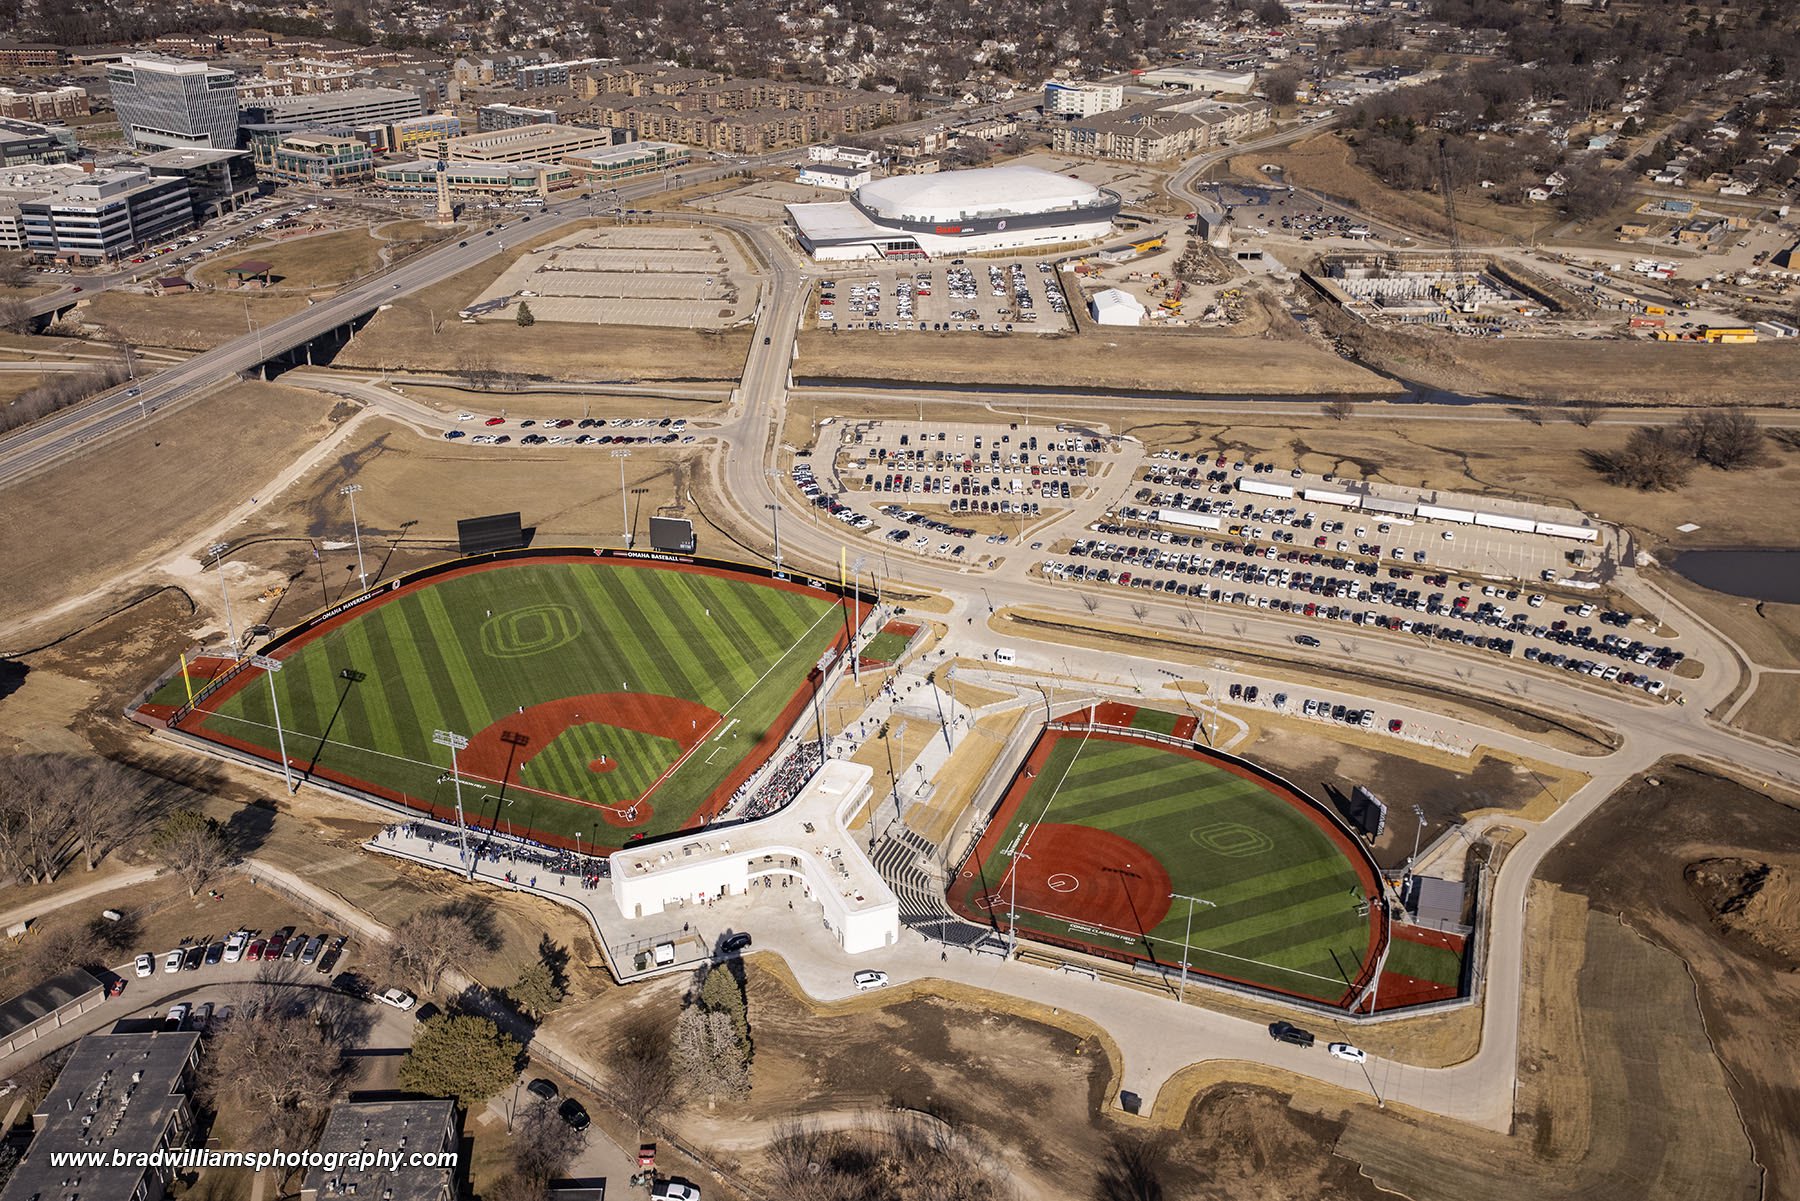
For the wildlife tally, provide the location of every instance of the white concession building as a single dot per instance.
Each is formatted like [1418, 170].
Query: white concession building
[955, 212]
[808, 841]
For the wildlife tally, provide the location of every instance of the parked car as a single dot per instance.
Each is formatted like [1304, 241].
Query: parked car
[146, 966]
[172, 961]
[866, 980]
[572, 1112]
[1347, 1052]
[193, 958]
[675, 1189]
[1287, 1032]
[399, 998]
[177, 1015]
[541, 1087]
[735, 944]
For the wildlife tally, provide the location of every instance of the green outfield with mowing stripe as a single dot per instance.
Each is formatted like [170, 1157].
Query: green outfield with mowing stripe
[1102, 818]
[610, 670]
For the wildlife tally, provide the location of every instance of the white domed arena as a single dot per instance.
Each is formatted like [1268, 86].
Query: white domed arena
[955, 212]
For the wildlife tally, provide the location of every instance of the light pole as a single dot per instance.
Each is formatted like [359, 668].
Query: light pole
[775, 521]
[362, 572]
[624, 505]
[1012, 907]
[1418, 829]
[456, 742]
[856, 617]
[217, 551]
[639, 494]
[949, 726]
[1187, 937]
[270, 667]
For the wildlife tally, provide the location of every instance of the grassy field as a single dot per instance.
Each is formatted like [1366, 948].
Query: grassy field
[467, 652]
[325, 260]
[1283, 897]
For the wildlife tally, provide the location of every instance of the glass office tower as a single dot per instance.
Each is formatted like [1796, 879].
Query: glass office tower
[166, 102]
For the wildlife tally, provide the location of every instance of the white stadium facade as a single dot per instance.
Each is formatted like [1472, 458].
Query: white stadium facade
[955, 212]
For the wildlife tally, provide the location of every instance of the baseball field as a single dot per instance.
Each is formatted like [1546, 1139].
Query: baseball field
[1103, 837]
[601, 699]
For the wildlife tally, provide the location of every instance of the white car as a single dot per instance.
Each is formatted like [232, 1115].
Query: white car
[396, 997]
[1349, 1053]
[172, 961]
[675, 1189]
[234, 946]
[867, 980]
[146, 966]
[465, 416]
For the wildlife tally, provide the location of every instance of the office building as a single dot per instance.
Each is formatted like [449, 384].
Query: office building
[321, 160]
[410, 135]
[29, 142]
[838, 177]
[624, 164]
[354, 106]
[492, 117]
[491, 181]
[1082, 99]
[164, 102]
[106, 214]
[219, 181]
[119, 1093]
[531, 143]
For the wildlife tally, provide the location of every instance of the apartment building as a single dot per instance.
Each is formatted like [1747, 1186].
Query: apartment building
[532, 143]
[55, 104]
[1082, 99]
[356, 106]
[1151, 133]
[490, 118]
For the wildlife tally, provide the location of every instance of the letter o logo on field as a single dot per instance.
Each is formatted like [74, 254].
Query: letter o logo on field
[532, 630]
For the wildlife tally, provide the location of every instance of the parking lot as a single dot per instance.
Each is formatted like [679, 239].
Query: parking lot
[1273, 210]
[690, 279]
[1010, 296]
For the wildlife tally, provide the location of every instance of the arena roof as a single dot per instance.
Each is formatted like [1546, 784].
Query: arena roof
[987, 191]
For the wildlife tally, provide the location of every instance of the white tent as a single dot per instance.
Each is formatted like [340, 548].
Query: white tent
[1113, 307]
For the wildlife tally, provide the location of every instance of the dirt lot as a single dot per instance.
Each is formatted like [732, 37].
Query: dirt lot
[1622, 372]
[1632, 859]
[1189, 361]
[139, 496]
[196, 321]
[1773, 709]
[400, 338]
[1327, 768]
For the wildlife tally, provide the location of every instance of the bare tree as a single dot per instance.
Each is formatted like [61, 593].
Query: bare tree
[15, 272]
[15, 315]
[192, 846]
[1727, 438]
[708, 1054]
[279, 1063]
[1338, 410]
[1584, 412]
[543, 1145]
[102, 796]
[1530, 414]
[34, 825]
[1653, 459]
[1140, 610]
[428, 944]
[644, 1081]
[1090, 601]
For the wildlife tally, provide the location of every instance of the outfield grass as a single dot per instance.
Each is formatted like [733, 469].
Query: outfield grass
[885, 647]
[1440, 965]
[465, 652]
[1154, 720]
[1284, 896]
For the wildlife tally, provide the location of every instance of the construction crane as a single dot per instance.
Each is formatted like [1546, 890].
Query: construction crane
[1461, 291]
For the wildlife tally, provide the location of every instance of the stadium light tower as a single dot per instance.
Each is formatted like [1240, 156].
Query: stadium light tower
[624, 501]
[217, 551]
[856, 623]
[457, 742]
[1418, 829]
[1012, 908]
[270, 666]
[775, 519]
[1188, 937]
[362, 572]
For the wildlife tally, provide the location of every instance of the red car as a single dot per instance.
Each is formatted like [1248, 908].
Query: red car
[495, 421]
[254, 951]
[277, 941]
[1394, 726]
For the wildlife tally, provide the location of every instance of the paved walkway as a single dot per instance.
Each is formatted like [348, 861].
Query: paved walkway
[96, 886]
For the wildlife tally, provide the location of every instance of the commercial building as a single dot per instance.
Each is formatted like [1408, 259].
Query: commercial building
[396, 1132]
[748, 116]
[1081, 99]
[492, 117]
[1115, 307]
[30, 56]
[119, 1095]
[410, 135]
[55, 104]
[356, 106]
[1149, 133]
[494, 181]
[626, 163]
[806, 843]
[322, 160]
[1199, 79]
[531, 143]
[856, 155]
[219, 181]
[840, 177]
[106, 214]
[163, 101]
[29, 142]
[956, 212]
